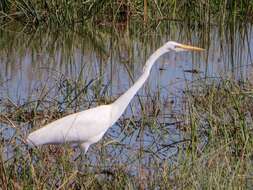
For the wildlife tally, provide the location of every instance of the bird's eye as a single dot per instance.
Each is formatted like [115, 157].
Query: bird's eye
[173, 48]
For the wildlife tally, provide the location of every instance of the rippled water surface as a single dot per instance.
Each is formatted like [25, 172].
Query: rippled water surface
[70, 71]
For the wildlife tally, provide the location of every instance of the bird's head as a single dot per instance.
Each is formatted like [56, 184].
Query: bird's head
[177, 47]
[168, 47]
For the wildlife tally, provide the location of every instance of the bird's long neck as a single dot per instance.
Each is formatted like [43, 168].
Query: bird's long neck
[122, 102]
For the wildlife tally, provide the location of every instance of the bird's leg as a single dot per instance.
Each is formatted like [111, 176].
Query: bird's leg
[84, 148]
[75, 146]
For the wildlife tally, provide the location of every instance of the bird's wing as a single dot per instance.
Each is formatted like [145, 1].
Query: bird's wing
[77, 127]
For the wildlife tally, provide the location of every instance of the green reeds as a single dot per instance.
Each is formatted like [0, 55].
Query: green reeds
[213, 150]
[216, 150]
[219, 124]
[68, 13]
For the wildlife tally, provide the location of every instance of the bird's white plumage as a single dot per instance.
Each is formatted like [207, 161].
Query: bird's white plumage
[75, 128]
[88, 127]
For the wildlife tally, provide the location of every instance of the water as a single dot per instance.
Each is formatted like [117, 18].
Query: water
[47, 65]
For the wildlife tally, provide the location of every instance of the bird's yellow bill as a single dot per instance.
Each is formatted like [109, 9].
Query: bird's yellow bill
[193, 48]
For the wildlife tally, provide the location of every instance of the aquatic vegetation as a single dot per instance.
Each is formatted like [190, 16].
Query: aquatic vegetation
[58, 57]
[68, 13]
[215, 148]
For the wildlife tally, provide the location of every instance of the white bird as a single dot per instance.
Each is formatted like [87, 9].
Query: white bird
[89, 126]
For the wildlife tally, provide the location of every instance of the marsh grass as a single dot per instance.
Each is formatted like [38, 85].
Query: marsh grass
[219, 124]
[215, 152]
[214, 122]
[68, 13]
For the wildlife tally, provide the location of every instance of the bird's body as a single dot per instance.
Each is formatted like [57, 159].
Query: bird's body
[89, 126]
[81, 127]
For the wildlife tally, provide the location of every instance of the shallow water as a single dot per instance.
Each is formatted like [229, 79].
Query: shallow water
[45, 65]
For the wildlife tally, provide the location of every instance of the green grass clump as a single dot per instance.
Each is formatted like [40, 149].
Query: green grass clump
[67, 13]
[219, 126]
[215, 152]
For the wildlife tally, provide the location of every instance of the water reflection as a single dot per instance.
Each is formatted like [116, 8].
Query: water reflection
[71, 71]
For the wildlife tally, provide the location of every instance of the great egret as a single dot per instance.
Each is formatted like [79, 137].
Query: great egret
[89, 126]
